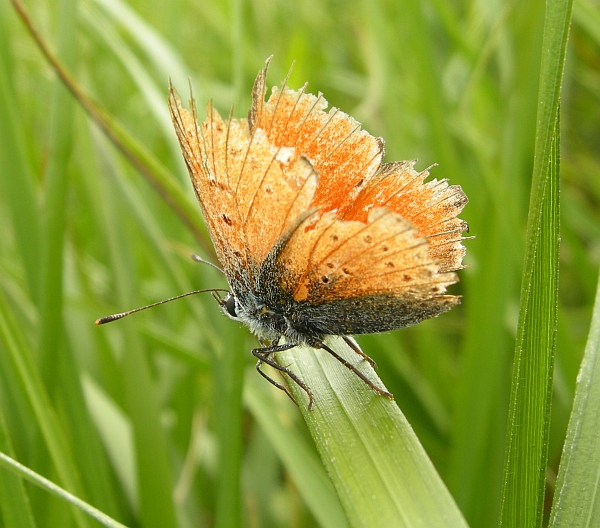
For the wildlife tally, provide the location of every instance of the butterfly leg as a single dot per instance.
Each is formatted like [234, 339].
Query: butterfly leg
[354, 347]
[263, 356]
[259, 363]
[350, 366]
[265, 344]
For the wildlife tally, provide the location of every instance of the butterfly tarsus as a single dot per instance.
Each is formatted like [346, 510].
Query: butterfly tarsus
[262, 354]
[259, 364]
[350, 366]
[356, 349]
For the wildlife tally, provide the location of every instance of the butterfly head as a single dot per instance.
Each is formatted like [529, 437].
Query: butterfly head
[228, 306]
[256, 315]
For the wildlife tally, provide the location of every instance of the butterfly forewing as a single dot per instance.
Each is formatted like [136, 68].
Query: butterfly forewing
[343, 155]
[249, 189]
[352, 180]
[202, 149]
[284, 188]
[381, 231]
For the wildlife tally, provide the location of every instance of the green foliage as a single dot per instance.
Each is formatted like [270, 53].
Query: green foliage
[160, 419]
[531, 391]
[576, 500]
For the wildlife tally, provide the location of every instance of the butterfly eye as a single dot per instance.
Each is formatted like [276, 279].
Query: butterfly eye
[230, 305]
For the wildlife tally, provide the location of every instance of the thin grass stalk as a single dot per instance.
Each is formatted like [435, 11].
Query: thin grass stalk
[160, 178]
[24, 472]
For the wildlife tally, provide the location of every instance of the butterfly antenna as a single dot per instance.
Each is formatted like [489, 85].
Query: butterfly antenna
[198, 258]
[114, 317]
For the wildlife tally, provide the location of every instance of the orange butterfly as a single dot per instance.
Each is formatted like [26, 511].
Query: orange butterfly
[316, 235]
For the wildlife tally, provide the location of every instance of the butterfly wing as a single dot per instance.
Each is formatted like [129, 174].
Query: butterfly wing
[360, 277]
[352, 179]
[343, 155]
[379, 252]
[249, 190]
[382, 253]
[432, 208]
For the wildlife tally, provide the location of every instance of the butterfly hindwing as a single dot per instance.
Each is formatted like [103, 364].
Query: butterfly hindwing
[344, 266]
[432, 207]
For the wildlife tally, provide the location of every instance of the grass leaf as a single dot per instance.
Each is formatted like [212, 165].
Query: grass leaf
[16, 510]
[577, 497]
[303, 465]
[529, 415]
[21, 367]
[377, 465]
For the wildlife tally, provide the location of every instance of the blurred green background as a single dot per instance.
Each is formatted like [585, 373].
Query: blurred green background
[143, 406]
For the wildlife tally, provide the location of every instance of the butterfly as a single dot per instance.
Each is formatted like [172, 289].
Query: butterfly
[315, 235]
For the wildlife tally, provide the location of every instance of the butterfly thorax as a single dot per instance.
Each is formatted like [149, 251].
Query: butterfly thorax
[270, 320]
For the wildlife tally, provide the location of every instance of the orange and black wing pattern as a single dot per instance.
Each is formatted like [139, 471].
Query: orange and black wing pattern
[367, 242]
[385, 244]
[249, 189]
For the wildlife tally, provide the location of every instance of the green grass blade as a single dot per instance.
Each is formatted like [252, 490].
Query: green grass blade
[157, 49]
[577, 497]
[154, 470]
[434, 107]
[300, 461]
[152, 92]
[140, 394]
[490, 287]
[587, 15]
[55, 202]
[237, 44]
[26, 473]
[474, 455]
[57, 363]
[375, 461]
[526, 451]
[19, 188]
[115, 430]
[229, 373]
